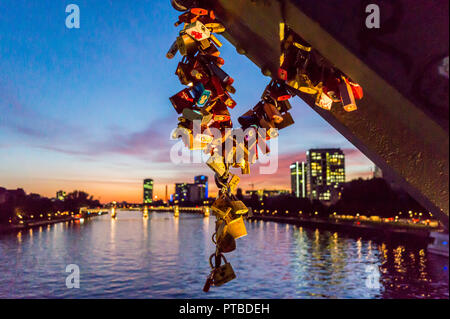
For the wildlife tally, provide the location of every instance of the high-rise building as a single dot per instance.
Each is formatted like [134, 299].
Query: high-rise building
[298, 179]
[181, 192]
[148, 191]
[325, 173]
[188, 192]
[61, 195]
[202, 182]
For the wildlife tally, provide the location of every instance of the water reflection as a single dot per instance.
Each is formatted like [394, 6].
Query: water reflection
[166, 257]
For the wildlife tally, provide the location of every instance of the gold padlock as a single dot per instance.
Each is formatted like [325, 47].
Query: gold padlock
[217, 164]
[221, 206]
[306, 86]
[186, 45]
[215, 27]
[205, 44]
[236, 228]
[233, 183]
[238, 207]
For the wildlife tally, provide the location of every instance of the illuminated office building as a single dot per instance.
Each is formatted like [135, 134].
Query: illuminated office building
[298, 179]
[202, 182]
[188, 192]
[325, 173]
[181, 192]
[148, 191]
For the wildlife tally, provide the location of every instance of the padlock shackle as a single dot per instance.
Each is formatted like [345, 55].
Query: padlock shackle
[219, 257]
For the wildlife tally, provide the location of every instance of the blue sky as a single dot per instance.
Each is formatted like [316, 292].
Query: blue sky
[88, 108]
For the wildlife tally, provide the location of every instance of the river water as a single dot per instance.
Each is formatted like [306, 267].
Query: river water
[167, 257]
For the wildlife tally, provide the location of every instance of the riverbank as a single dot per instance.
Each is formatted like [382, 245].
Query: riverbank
[33, 224]
[378, 232]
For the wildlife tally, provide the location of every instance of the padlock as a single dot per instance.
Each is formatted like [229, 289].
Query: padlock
[230, 89]
[217, 86]
[214, 59]
[248, 119]
[283, 106]
[356, 89]
[245, 167]
[186, 45]
[222, 274]
[214, 69]
[205, 44]
[236, 227]
[211, 50]
[224, 240]
[267, 125]
[272, 113]
[183, 72]
[216, 163]
[201, 94]
[197, 115]
[221, 113]
[324, 101]
[197, 31]
[228, 101]
[198, 11]
[221, 206]
[215, 40]
[282, 74]
[182, 100]
[238, 207]
[305, 85]
[233, 183]
[277, 91]
[173, 50]
[347, 98]
[287, 121]
[208, 283]
[215, 27]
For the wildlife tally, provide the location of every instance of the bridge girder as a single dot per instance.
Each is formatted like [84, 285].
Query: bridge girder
[402, 122]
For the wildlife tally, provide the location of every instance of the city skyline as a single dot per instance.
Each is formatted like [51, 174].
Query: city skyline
[66, 125]
[252, 181]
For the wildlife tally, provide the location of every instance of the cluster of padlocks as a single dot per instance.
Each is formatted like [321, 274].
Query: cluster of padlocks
[204, 110]
[304, 69]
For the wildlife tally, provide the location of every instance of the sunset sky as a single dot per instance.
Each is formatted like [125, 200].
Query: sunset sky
[88, 108]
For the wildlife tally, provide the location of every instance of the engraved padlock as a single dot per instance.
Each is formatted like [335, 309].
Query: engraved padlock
[223, 273]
